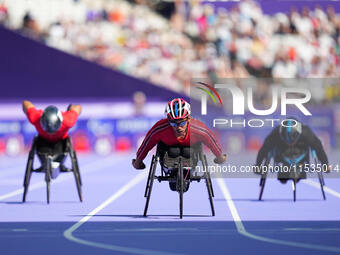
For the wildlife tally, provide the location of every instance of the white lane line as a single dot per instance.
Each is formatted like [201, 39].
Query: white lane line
[317, 185]
[68, 234]
[241, 229]
[61, 178]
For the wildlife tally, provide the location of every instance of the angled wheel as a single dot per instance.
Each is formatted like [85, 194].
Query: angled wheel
[74, 159]
[149, 175]
[209, 185]
[180, 183]
[262, 184]
[264, 176]
[78, 182]
[320, 176]
[322, 183]
[48, 177]
[77, 178]
[208, 176]
[75, 168]
[29, 168]
[154, 163]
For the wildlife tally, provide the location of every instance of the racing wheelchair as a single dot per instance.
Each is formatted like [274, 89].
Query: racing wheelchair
[182, 173]
[48, 158]
[296, 170]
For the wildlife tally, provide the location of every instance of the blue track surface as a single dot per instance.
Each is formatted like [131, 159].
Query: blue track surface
[110, 220]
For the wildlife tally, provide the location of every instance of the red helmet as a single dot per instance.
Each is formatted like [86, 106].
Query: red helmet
[177, 109]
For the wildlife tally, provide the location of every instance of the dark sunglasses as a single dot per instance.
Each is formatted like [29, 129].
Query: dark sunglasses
[178, 124]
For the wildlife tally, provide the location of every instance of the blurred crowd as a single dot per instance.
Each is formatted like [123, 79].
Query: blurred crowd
[197, 41]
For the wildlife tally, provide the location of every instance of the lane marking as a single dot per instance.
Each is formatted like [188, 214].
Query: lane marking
[61, 178]
[68, 234]
[317, 185]
[241, 229]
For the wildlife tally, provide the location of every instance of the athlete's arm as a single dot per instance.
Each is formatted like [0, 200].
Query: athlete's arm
[138, 164]
[151, 139]
[26, 105]
[76, 108]
[71, 115]
[221, 159]
[33, 115]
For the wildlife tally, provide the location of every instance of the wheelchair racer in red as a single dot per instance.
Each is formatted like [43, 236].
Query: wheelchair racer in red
[52, 126]
[178, 131]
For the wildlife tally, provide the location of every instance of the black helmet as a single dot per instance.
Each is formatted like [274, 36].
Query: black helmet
[290, 130]
[51, 119]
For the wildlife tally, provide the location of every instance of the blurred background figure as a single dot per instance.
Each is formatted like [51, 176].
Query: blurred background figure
[290, 144]
[139, 100]
[52, 126]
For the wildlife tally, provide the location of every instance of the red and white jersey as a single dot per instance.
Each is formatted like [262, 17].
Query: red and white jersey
[163, 132]
[69, 119]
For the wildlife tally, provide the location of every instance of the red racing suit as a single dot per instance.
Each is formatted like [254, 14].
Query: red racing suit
[162, 132]
[69, 119]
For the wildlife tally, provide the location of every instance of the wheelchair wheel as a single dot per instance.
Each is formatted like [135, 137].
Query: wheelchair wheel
[78, 183]
[74, 159]
[149, 176]
[264, 177]
[322, 183]
[28, 172]
[77, 178]
[180, 181]
[320, 175]
[75, 168]
[48, 177]
[262, 184]
[208, 176]
[153, 167]
[209, 185]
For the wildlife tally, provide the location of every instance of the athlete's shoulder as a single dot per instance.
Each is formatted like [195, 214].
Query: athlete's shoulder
[162, 122]
[195, 123]
[160, 125]
[33, 110]
[33, 114]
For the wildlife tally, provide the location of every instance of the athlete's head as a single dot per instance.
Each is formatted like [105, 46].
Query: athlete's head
[290, 130]
[178, 113]
[51, 119]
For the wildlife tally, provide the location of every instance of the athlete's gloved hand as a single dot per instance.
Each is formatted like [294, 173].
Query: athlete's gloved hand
[221, 159]
[138, 164]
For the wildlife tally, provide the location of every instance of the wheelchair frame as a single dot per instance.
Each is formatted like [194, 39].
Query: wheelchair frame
[29, 169]
[179, 179]
[264, 177]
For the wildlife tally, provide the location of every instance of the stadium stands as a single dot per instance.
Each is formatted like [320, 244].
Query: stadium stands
[197, 41]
